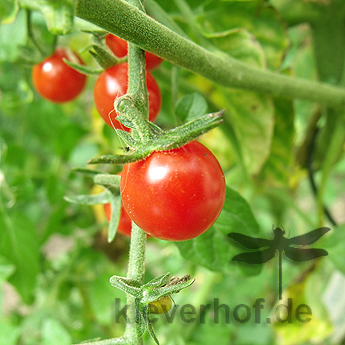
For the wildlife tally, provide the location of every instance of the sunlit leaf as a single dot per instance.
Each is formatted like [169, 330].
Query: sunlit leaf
[219, 18]
[252, 117]
[277, 169]
[19, 244]
[213, 249]
[191, 106]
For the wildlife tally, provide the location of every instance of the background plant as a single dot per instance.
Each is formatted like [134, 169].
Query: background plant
[274, 135]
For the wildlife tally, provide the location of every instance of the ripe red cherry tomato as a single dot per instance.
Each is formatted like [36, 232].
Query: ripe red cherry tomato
[120, 48]
[55, 80]
[113, 83]
[174, 195]
[125, 224]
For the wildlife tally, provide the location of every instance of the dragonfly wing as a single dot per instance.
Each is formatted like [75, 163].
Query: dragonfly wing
[299, 254]
[308, 238]
[249, 242]
[258, 257]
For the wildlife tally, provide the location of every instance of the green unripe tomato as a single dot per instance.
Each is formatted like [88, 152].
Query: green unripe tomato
[160, 306]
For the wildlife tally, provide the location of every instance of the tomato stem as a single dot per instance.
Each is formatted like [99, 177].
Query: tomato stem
[135, 26]
[135, 104]
[136, 271]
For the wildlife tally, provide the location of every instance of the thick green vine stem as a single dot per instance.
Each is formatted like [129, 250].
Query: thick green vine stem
[136, 272]
[131, 24]
[137, 92]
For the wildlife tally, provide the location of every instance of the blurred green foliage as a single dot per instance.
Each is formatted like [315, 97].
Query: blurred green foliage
[55, 262]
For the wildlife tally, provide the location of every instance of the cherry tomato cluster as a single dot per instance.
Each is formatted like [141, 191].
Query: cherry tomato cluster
[113, 83]
[120, 48]
[173, 195]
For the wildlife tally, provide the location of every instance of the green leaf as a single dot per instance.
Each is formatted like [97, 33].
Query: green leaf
[59, 15]
[9, 333]
[191, 106]
[334, 243]
[12, 36]
[277, 168]
[101, 296]
[213, 249]
[8, 10]
[222, 19]
[6, 269]
[14, 88]
[242, 45]
[53, 333]
[19, 244]
[252, 118]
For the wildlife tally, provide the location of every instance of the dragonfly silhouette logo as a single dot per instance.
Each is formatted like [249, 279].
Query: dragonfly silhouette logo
[291, 247]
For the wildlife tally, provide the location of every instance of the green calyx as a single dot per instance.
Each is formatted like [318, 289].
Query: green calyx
[146, 137]
[145, 294]
[111, 195]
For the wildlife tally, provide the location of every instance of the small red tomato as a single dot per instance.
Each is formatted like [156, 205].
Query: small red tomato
[125, 223]
[55, 80]
[174, 195]
[113, 83]
[120, 48]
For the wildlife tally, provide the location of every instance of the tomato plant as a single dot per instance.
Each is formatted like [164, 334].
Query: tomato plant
[276, 67]
[174, 195]
[113, 83]
[55, 80]
[120, 48]
[125, 223]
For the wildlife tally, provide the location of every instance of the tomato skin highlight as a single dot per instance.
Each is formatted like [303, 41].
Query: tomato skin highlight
[125, 223]
[55, 80]
[113, 83]
[174, 195]
[120, 48]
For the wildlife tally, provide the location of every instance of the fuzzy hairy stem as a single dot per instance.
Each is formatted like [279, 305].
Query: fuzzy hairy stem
[135, 26]
[137, 90]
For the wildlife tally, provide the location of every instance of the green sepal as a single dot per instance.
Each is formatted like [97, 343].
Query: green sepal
[126, 121]
[144, 311]
[127, 138]
[115, 201]
[109, 181]
[120, 159]
[149, 292]
[166, 140]
[87, 172]
[158, 281]
[96, 199]
[104, 58]
[155, 294]
[87, 70]
[129, 286]
[97, 34]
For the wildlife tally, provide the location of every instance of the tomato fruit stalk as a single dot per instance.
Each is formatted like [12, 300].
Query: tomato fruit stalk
[113, 83]
[120, 48]
[174, 195]
[55, 80]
